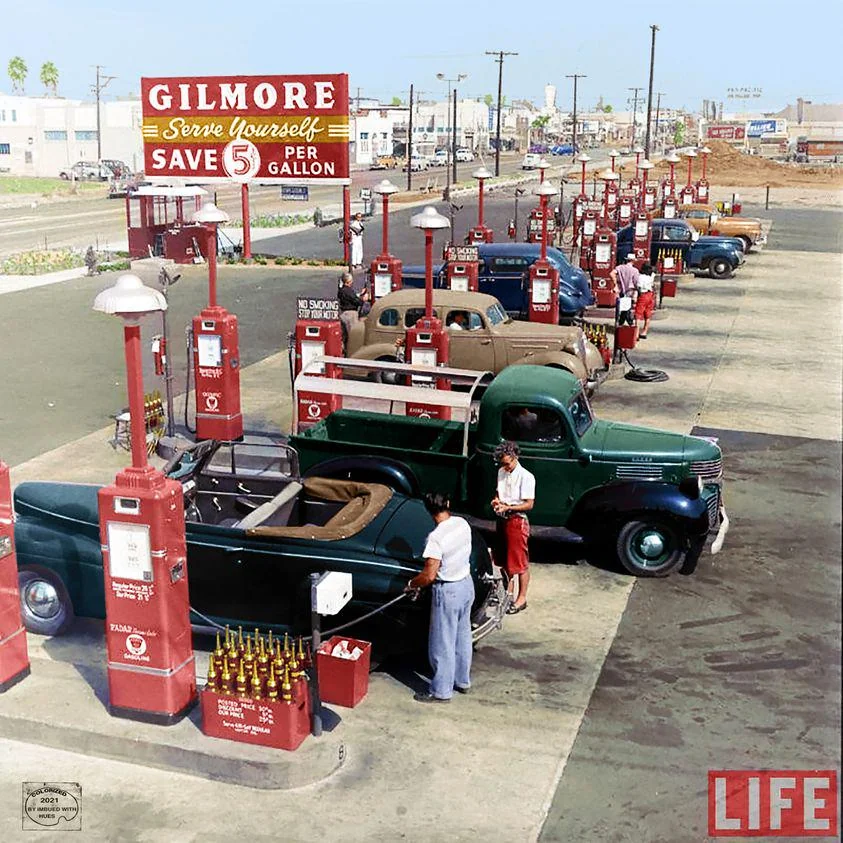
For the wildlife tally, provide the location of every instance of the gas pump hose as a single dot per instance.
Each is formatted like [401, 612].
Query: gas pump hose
[324, 632]
[643, 375]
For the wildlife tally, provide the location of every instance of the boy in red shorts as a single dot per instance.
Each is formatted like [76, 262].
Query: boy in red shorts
[646, 304]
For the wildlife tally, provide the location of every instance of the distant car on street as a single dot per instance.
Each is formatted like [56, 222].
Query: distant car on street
[87, 171]
[441, 158]
[464, 154]
[531, 161]
[417, 163]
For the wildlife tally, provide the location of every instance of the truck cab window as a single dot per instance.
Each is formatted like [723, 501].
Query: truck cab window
[581, 414]
[532, 424]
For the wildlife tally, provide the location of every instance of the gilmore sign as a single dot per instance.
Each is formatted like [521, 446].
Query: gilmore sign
[267, 128]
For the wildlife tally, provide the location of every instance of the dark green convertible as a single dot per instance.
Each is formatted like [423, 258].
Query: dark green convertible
[254, 535]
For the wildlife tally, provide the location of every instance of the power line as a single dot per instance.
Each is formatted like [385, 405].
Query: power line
[655, 29]
[575, 77]
[500, 54]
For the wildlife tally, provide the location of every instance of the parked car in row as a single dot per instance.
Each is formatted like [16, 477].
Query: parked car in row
[464, 155]
[531, 161]
[255, 533]
[417, 163]
[441, 157]
[707, 220]
[88, 171]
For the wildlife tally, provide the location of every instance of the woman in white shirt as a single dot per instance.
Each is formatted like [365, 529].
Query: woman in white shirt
[646, 304]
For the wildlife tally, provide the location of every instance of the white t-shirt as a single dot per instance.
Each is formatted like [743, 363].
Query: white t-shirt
[516, 486]
[645, 283]
[450, 542]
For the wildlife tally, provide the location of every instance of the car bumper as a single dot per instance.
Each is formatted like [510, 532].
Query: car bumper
[488, 617]
[718, 520]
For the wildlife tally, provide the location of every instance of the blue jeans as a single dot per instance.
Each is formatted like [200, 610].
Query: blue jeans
[449, 644]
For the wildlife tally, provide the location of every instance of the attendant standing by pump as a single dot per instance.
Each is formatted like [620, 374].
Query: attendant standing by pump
[350, 304]
[356, 230]
[646, 303]
[625, 278]
[516, 494]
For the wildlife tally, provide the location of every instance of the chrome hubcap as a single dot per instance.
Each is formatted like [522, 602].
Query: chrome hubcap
[42, 599]
[651, 545]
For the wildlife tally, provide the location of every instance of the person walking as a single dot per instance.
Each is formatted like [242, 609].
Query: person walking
[447, 569]
[349, 305]
[625, 279]
[645, 306]
[356, 229]
[516, 494]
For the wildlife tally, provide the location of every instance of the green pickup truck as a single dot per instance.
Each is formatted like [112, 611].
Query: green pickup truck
[651, 495]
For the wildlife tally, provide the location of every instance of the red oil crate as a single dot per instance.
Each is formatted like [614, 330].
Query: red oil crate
[272, 723]
[668, 288]
[343, 681]
[626, 336]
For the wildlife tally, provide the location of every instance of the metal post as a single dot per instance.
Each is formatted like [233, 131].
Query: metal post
[346, 221]
[634, 112]
[212, 264]
[315, 643]
[767, 199]
[385, 211]
[454, 142]
[247, 222]
[655, 29]
[99, 134]
[428, 272]
[134, 386]
[658, 110]
[543, 203]
[410, 145]
[500, 54]
[447, 144]
[575, 77]
[480, 205]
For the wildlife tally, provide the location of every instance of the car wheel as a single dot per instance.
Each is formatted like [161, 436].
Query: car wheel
[720, 268]
[391, 378]
[747, 244]
[649, 546]
[44, 602]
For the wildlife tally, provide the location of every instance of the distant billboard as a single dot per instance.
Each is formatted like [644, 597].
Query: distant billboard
[757, 128]
[725, 132]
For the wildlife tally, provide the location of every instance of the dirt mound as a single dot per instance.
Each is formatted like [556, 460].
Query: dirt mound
[728, 166]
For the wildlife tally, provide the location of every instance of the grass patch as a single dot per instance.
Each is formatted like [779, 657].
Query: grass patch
[10, 185]
[41, 262]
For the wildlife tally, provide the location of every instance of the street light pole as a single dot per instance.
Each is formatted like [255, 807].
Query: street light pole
[575, 77]
[634, 112]
[655, 29]
[500, 54]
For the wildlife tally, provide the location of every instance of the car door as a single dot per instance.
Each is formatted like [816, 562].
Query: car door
[506, 281]
[472, 346]
[676, 236]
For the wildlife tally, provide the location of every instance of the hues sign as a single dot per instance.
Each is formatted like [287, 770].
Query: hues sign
[244, 128]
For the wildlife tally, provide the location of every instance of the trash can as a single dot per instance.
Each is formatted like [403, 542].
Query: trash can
[343, 681]
[626, 336]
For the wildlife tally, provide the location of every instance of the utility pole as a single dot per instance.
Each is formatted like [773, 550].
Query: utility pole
[575, 77]
[654, 29]
[454, 150]
[410, 144]
[634, 111]
[101, 84]
[658, 111]
[500, 54]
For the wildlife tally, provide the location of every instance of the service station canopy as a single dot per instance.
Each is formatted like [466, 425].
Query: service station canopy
[291, 129]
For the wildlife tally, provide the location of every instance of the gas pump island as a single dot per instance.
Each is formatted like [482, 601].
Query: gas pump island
[385, 270]
[543, 300]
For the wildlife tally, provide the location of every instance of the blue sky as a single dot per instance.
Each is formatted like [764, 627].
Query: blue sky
[702, 49]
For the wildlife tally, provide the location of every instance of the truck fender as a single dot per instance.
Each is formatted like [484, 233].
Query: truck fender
[614, 504]
[393, 473]
[559, 359]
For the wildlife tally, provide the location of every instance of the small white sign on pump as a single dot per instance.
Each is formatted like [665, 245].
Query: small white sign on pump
[330, 593]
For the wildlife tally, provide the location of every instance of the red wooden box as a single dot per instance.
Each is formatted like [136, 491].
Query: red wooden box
[626, 336]
[343, 681]
[272, 723]
[668, 288]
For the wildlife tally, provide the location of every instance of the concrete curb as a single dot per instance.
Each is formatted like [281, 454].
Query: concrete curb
[45, 710]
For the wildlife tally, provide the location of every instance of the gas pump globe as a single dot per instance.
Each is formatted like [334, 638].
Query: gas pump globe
[480, 233]
[385, 269]
[216, 352]
[544, 277]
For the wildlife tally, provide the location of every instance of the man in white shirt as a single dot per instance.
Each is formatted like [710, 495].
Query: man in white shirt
[447, 568]
[516, 494]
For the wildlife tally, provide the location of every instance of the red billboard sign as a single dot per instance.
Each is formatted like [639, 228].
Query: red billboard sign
[726, 132]
[244, 128]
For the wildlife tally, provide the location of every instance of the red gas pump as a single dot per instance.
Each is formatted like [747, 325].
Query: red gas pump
[650, 198]
[216, 352]
[480, 233]
[590, 220]
[159, 354]
[14, 659]
[580, 203]
[687, 196]
[605, 255]
[641, 237]
[634, 188]
[385, 269]
[610, 200]
[669, 207]
[534, 226]
[668, 189]
[318, 333]
[702, 190]
[428, 344]
[543, 291]
[626, 204]
[463, 268]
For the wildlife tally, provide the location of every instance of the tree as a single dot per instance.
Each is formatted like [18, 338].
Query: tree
[396, 101]
[49, 77]
[489, 100]
[679, 134]
[17, 71]
[607, 109]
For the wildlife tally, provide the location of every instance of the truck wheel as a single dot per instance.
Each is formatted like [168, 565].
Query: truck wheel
[649, 546]
[45, 605]
[720, 268]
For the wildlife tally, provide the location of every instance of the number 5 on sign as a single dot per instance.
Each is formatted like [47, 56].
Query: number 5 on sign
[241, 160]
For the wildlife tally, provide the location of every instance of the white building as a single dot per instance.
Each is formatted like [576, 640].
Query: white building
[371, 134]
[41, 136]
[431, 123]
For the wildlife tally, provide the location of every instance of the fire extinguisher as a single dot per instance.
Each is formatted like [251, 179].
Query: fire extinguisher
[159, 354]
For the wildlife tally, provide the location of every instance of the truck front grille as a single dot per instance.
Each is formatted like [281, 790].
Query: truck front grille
[639, 471]
[713, 504]
[708, 469]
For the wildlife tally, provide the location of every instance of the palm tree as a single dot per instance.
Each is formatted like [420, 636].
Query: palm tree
[17, 72]
[49, 76]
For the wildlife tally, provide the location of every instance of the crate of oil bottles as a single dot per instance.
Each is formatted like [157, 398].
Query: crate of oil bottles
[598, 336]
[257, 690]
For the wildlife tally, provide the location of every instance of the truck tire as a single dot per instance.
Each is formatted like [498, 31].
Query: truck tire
[45, 605]
[720, 268]
[650, 546]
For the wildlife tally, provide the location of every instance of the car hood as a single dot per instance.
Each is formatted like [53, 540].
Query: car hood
[721, 240]
[621, 442]
[517, 330]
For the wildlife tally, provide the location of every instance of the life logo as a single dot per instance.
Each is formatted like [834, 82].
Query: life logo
[241, 160]
[772, 803]
[136, 644]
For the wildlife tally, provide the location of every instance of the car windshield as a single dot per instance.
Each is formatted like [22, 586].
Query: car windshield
[497, 315]
[581, 414]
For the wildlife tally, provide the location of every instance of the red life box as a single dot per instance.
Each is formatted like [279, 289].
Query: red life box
[626, 336]
[772, 803]
[668, 288]
[343, 681]
[274, 723]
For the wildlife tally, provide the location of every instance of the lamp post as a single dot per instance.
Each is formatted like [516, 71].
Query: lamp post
[647, 202]
[609, 177]
[639, 151]
[688, 194]
[613, 153]
[583, 159]
[702, 181]
[672, 159]
[429, 220]
[543, 191]
[216, 353]
[385, 189]
[385, 268]
[691, 155]
[452, 131]
[705, 152]
[543, 165]
[142, 534]
[480, 233]
[543, 292]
